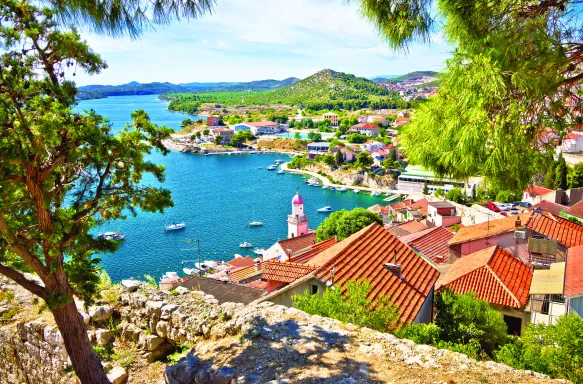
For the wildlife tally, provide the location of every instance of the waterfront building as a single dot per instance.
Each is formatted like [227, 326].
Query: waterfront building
[332, 117]
[297, 222]
[225, 133]
[413, 179]
[258, 128]
[318, 148]
[213, 120]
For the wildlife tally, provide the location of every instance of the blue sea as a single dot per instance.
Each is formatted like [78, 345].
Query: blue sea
[214, 195]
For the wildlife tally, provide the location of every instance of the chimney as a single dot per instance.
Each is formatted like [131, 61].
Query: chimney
[258, 265]
[332, 275]
[517, 223]
[393, 267]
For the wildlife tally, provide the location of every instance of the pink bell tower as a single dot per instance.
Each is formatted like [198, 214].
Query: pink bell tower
[297, 222]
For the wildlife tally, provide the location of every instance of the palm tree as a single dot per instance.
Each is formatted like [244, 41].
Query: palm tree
[127, 17]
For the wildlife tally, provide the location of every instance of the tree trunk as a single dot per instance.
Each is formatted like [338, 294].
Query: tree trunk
[83, 358]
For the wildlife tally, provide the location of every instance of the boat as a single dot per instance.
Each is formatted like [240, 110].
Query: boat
[237, 256]
[111, 236]
[388, 194]
[356, 190]
[190, 271]
[324, 187]
[280, 172]
[131, 282]
[169, 275]
[272, 168]
[325, 209]
[342, 189]
[174, 227]
[375, 193]
[332, 188]
[255, 224]
[259, 251]
[245, 244]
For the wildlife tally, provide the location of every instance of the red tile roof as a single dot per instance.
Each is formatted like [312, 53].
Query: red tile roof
[574, 272]
[365, 126]
[431, 243]
[286, 272]
[295, 244]
[420, 205]
[244, 274]
[257, 284]
[412, 226]
[397, 206]
[568, 235]
[488, 229]
[493, 275]
[573, 136]
[576, 209]
[241, 262]
[550, 207]
[364, 254]
[263, 124]
[535, 190]
[306, 255]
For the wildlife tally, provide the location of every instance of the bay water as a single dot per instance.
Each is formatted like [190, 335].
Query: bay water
[216, 196]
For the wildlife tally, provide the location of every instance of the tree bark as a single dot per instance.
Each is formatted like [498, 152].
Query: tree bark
[83, 358]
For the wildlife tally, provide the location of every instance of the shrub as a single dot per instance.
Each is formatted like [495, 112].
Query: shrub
[344, 223]
[151, 281]
[420, 333]
[456, 195]
[353, 307]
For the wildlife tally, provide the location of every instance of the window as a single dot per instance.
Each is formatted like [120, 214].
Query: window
[314, 289]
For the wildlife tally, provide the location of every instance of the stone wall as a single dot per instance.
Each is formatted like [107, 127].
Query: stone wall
[233, 343]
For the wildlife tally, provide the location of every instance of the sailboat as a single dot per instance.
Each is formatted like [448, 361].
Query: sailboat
[255, 223]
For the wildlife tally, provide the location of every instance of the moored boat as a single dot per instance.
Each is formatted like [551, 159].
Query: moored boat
[169, 275]
[280, 172]
[255, 224]
[342, 189]
[325, 209]
[245, 244]
[356, 190]
[174, 227]
[272, 168]
[111, 236]
[259, 251]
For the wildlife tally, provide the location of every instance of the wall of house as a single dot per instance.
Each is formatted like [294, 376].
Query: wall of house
[518, 247]
[425, 314]
[523, 316]
[285, 297]
[555, 311]
[576, 305]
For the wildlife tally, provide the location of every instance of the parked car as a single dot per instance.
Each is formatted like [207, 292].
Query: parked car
[524, 204]
[505, 207]
[503, 213]
[492, 207]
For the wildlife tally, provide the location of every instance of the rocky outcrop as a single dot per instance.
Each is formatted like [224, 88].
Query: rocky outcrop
[257, 343]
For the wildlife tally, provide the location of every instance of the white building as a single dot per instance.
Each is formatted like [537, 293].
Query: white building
[297, 222]
[573, 142]
[414, 177]
[258, 128]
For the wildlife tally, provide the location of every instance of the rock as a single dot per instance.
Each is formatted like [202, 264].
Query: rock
[117, 375]
[130, 332]
[53, 336]
[86, 318]
[103, 337]
[167, 311]
[181, 290]
[183, 372]
[151, 342]
[248, 379]
[100, 312]
[162, 351]
[162, 328]
[225, 375]
[154, 308]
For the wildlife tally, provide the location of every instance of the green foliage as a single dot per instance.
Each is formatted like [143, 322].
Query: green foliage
[456, 195]
[338, 158]
[328, 159]
[420, 333]
[561, 172]
[425, 188]
[344, 223]
[206, 132]
[364, 160]
[218, 139]
[104, 353]
[506, 197]
[357, 138]
[314, 136]
[151, 281]
[555, 350]
[186, 122]
[299, 162]
[351, 307]
[575, 176]
[463, 319]
[438, 192]
[390, 163]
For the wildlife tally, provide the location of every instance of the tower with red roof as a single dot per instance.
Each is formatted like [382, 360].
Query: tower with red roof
[297, 222]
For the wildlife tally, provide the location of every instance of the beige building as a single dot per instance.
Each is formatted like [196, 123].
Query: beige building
[332, 117]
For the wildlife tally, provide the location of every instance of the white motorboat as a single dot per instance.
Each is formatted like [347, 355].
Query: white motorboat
[245, 244]
[131, 282]
[174, 227]
[111, 236]
[376, 193]
[272, 168]
[190, 271]
[342, 189]
[280, 172]
[324, 187]
[356, 190]
[255, 224]
[259, 251]
[325, 209]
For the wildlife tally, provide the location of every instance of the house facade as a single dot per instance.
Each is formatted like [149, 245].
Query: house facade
[442, 214]
[573, 142]
[366, 129]
[225, 133]
[332, 117]
[258, 128]
[213, 120]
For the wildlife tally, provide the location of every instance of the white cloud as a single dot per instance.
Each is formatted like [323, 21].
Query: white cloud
[243, 41]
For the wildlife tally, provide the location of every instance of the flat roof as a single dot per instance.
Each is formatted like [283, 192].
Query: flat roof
[320, 144]
[548, 281]
[223, 291]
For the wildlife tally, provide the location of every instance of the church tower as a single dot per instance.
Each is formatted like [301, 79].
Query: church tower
[297, 222]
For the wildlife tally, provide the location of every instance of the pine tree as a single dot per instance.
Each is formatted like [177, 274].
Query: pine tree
[339, 158]
[425, 189]
[550, 177]
[561, 172]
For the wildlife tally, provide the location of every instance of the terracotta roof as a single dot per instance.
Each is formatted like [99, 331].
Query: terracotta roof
[244, 274]
[442, 204]
[576, 210]
[365, 126]
[307, 254]
[420, 205]
[493, 275]
[222, 130]
[241, 262]
[263, 124]
[550, 207]
[257, 284]
[397, 206]
[412, 226]
[295, 244]
[364, 254]
[285, 272]
[574, 272]
[554, 229]
[487, 229]
[377, 208]
[573, 136]
[431, 243]
[535, 190]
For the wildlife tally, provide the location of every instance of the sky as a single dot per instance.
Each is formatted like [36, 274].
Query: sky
[261, 39]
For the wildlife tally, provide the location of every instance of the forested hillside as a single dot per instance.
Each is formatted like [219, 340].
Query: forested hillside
[326, 89]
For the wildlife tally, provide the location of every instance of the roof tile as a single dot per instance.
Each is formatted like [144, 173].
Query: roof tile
[574, 272]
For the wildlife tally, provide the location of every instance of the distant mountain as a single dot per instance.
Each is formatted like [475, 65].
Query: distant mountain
[259, 85]
[383, 77]
[135, 88]
[329, 85]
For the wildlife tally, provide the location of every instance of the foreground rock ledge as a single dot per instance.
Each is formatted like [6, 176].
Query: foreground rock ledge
[257, 343]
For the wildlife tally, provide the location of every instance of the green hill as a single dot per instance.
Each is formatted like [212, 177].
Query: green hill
[326, 89]
[259, 85]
